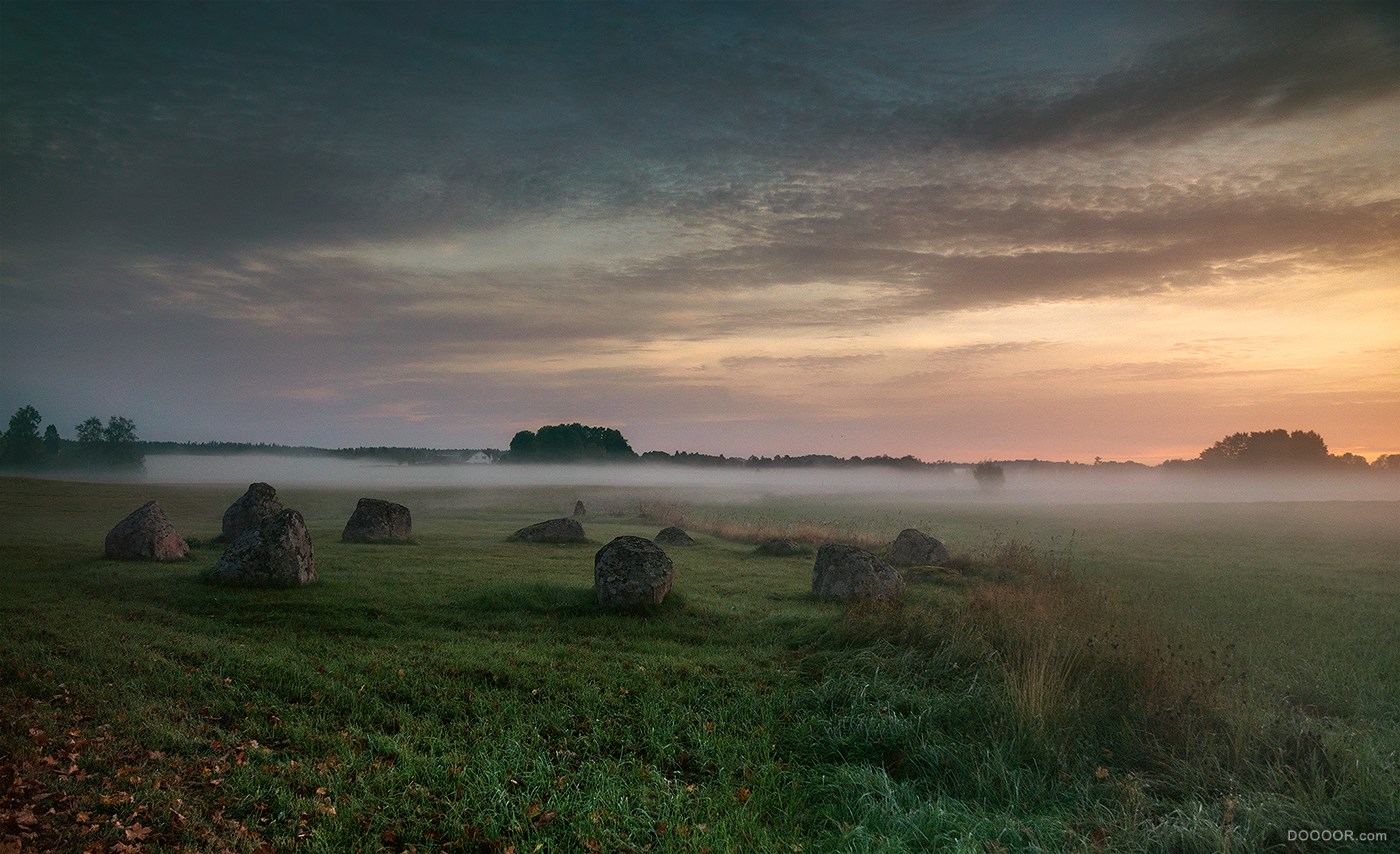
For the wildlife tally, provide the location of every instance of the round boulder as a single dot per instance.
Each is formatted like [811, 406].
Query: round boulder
[780, 547]
[674, 536]
[550, 531]
[631, 571]
[849, 572]
[145, 534]
[277, 553]
[251, 508]
[915, 548]
[378, 521]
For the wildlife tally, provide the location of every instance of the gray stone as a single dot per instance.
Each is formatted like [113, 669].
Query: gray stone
[277, 553]
[378, 521]
[251, 508]
[674, 536]
[850, 572]
[551, 531]
[781, 547]
[145, 534]
[915, 548]
[579, 509]
[631, 571]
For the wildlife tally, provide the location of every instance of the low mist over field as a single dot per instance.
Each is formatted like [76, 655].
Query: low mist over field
[1087, 485]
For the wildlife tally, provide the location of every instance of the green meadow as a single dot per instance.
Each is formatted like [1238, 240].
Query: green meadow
[1146, 677]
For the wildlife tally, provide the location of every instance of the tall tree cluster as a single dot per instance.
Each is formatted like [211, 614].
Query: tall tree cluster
[114, 445]
[570, 443]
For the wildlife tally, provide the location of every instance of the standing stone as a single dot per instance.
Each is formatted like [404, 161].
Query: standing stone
[674, 536]
[145, 534]
[378, 521]
[550, 531]
[277, 553]
[255, 505]
[915, 548]
[579, 509]
[849, 572]
[631, 571]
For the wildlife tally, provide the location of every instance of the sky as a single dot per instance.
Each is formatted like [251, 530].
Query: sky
[959, 230]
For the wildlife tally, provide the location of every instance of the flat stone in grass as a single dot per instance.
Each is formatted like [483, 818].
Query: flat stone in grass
[674, 536]
[253, 506]
[550, 531]
[780, 547]
[915, 548]
[145, 534]
[378, 521]
[847, 573]
[277, 553]
[631, 571]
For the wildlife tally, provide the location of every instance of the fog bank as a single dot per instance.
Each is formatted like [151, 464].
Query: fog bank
[1089, 485]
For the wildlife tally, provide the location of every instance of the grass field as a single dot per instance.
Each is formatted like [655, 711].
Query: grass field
[1140, 678]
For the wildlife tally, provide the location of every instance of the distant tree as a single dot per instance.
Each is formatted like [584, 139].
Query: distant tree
[90, 443]
[1268, 449]
[89, 432]
[988, 474]
[23, 445]
[119, 440]
[1351, 462]
[522, 444]
[114, 445]
[1387, 463]
[53, 443]
[570, 443]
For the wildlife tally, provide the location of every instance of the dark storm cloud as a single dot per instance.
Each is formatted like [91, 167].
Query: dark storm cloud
[1259, 63]
[181, 127]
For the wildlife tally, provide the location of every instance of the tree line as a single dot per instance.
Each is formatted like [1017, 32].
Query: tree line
[113, 445]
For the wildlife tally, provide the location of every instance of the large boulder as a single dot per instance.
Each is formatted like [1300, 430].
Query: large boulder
[145, 534]
[674, 536]
[378, 521]
[245, 514]
[277, 553]
[915, 548]
[850, 572]
[631, 571]
[550, 531]
[781, 547]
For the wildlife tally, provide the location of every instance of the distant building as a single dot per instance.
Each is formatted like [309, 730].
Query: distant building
[479, 458]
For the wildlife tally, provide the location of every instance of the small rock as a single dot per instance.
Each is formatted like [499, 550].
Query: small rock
[849, 572]
[378, 521]
[780, 547]
[277, 553]
[915, 548]
[145, 534]
[255, 505]
[631, 571]
[579, 509]
[550, 531]
[674, 536]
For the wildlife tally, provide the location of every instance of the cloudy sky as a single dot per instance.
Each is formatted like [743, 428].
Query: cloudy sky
[960, 230]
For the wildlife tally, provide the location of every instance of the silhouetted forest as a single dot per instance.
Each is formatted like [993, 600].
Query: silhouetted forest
[24, 447]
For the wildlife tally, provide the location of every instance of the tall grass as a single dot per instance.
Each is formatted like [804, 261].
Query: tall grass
[1037, 695]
